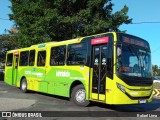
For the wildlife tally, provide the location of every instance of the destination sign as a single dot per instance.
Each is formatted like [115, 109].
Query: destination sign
[133, 41]
[101, 40]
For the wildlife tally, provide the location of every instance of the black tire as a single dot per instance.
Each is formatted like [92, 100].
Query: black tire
[23, 85]
[79, 90]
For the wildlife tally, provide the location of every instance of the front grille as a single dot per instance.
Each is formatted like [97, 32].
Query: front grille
[135, 81]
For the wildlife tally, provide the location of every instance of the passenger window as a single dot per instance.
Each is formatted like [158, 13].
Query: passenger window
[77, 54]
[9, 59]
[24, 58]
[32, 58]
[41, 58]
[58, 55]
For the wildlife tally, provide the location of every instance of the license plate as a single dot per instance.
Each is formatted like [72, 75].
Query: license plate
[142, 101]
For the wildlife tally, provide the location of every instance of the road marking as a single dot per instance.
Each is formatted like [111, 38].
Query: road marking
[156, 92]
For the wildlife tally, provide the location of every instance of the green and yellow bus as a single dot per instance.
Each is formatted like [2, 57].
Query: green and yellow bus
[111, 68]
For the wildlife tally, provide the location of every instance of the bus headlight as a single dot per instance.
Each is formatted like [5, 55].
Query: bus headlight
[121, 87]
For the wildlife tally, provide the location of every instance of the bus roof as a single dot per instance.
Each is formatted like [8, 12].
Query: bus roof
[54, 43]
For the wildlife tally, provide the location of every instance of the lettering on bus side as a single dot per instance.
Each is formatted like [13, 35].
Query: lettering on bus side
[62, 74]
[38, 74]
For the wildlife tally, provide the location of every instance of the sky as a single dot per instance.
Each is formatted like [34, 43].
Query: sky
[4, 11]
[143, 11]
[139, 10]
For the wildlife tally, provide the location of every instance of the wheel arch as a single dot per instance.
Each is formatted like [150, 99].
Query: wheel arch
[74, 83]
[21, 80]
[23, 84]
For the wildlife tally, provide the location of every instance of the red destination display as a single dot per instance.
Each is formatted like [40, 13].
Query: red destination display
[16, 53]
[101, 40]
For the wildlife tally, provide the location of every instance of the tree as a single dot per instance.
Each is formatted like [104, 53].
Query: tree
[156, 70]
[55, 20]
[7, 42]
[3, 48]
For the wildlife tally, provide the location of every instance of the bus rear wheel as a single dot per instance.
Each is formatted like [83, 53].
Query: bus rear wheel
[78, 96]
[23, 85]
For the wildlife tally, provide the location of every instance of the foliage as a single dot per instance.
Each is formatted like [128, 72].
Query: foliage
[156, 70]
[55, 20]
[7, 42]
[3, 48]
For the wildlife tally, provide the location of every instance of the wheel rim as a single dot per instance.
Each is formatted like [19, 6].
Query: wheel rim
[24, 85]
[80, 96]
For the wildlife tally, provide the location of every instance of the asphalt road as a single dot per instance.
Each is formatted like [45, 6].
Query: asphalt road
[12, 99]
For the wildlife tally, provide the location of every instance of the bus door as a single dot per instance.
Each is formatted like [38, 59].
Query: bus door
[9, 69]
[15, 68]
[99, 71]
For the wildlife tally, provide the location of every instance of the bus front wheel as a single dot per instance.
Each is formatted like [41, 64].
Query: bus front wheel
[78, 96]
[23, 85]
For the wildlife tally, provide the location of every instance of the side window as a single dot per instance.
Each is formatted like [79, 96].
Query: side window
[58, 55]
[24, 58]
[32, 58]
[41, 58]
[9, 59]
[77, 54]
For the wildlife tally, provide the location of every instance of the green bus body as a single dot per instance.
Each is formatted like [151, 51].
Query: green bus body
[84, 69]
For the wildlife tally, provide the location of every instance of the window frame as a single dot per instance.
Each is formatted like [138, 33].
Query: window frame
[11, 60]
[64, 55]
[86, 58]
[38, 59]
[34, 57]
[20, 59]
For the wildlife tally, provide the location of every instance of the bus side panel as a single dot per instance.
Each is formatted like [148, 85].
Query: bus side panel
[50, 88]
[60, 79]
[22, 72]
[56, 78]
[80, 73]
[110, 88]
[30, 74]
[40, 74]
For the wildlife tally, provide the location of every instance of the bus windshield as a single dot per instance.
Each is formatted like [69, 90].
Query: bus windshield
[133, 57]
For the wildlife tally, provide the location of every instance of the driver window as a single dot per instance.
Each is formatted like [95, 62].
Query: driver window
[119, 57]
